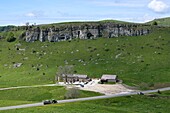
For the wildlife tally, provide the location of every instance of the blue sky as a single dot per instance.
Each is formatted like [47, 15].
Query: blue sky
[18, 12]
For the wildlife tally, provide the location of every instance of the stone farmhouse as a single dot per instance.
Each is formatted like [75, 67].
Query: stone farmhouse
[72, 78]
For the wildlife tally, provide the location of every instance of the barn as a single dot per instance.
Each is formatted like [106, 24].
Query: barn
[109, 78]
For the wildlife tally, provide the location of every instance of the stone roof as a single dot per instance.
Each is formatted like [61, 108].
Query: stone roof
[108, 77]
[80, 76]
[75, 76]
[68, 75]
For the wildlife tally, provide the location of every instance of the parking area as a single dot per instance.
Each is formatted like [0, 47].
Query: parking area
[106, 89]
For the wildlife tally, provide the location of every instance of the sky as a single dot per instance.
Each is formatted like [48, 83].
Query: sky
[19, 12]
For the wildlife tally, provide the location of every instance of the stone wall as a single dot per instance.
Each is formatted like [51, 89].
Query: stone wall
[85, 31]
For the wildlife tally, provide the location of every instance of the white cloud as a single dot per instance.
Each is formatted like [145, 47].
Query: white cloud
[141, 19]
[31, 14]
[35, 14]
[147, 18]
[118, 4]
[60, 13]
[158, 6]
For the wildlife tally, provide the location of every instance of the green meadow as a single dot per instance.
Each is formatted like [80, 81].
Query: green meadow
[128, 104]
[140, 61]
[37, 94]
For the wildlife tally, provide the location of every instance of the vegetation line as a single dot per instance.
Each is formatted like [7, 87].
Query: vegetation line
[17, 87]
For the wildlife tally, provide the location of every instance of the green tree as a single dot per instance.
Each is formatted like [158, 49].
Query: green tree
[64, 70]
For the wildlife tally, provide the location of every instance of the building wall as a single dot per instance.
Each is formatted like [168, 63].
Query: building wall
[74, 79]
[111, 80]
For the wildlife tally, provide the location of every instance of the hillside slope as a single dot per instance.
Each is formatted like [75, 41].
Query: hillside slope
[161, 21]
[139, 61]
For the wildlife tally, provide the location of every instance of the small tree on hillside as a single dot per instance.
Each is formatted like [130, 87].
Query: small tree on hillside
[64, 70]
[27, 23]
[155, 23]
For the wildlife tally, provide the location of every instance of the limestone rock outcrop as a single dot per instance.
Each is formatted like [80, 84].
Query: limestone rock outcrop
[84, 31]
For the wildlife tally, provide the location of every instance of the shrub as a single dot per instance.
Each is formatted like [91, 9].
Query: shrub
[10, 37]
[107, 50]
[33, 51]
[72, 93]
[151, 84]
[154, 23]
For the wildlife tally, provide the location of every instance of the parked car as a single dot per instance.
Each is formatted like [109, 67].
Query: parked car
[53, 101]
[140, 93]
[81, 85]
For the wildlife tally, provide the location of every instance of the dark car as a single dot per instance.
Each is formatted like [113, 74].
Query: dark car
[140, 93]
[47, 102]
[53, 101]
[81, 85]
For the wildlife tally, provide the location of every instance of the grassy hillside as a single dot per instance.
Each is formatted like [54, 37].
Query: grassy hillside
[80, 23]
[162, 21]
[141, 61]
[129, 104]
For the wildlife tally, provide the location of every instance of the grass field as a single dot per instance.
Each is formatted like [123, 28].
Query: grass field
[82, 23]
[128, 104]
[162, 21]
[33, 95]
[141, 61]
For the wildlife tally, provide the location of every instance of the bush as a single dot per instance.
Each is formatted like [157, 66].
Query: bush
[10, 37]
[72, 93]
[154, 23]
[107, 50]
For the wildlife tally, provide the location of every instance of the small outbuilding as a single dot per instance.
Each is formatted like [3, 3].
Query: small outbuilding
[109, 78]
